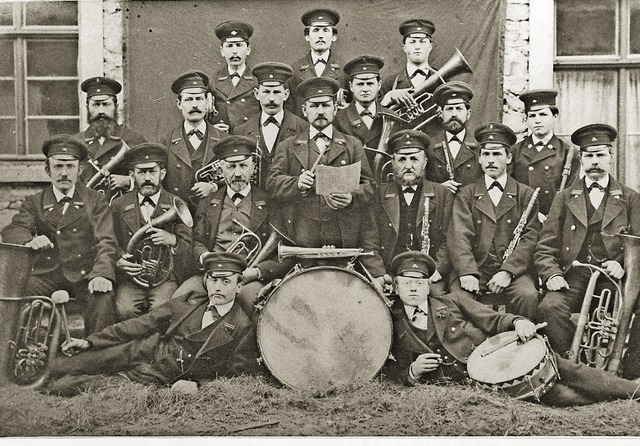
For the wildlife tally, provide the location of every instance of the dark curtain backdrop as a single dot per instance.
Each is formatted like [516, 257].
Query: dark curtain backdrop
[166, 38]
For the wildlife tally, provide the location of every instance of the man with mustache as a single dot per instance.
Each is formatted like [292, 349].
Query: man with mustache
[401, 217]
[190, 146]
[147, 165]
[321, 61]
[453, 154]
[105, 136]
[71, 227]
[485, 215]
[539, 159]
[233, 84]
[577, 228]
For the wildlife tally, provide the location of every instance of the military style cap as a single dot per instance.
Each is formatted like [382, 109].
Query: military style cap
[64, 147]
[272, 72]
[413, 262]
[405, 140]
[454, 91]
[417, 26]
[364, 65]
[495, 133]
[537, 99]
[223, 264]
[593, 135]
[146, 153]
[96, 86]
[322, 17]
[318, 86]
[190, 79]
[234, 146]
[234, 29]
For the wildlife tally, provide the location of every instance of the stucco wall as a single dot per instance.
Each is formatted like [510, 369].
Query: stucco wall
[516, 63]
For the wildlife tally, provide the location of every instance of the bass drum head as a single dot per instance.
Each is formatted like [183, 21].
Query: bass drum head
[322, 327]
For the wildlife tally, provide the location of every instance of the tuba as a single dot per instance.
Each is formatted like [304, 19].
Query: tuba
[425, 110]
[156, 260]
[100, 180]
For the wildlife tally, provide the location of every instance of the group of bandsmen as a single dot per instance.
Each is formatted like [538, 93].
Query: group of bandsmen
[243, 160]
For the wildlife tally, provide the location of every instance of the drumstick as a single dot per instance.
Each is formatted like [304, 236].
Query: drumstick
[320, 155]
[510, 341]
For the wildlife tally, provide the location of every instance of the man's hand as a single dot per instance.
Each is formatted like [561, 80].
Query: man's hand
[470, 283]
[499, 282]
[39, 242]
[614, 269]
[202, 189]
[162, 237]
[378, 284]
[452, 185]
[131, 268]
[305, 180]
[426, 362]
[338, 201]
[119, 182]
[525, 329]
[401, 96]
[557, 283]
[100, 285]
[250, 275]
[185, 387]
[74, 345]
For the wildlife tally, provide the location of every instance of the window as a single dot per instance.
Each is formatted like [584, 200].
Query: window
[38, 74]
[597, 73]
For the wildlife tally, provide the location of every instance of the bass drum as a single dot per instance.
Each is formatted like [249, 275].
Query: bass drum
[525, 371]
[323, 327]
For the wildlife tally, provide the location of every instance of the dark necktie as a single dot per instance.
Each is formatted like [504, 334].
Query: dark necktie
[271, 120]
[497, 185]
[408, 190]
[214, 311]
[417, 312]
[320, 61]
[237, 196]
[417, 72]
[455, 138]
[595, 186]
[539, 144]
[196, 132]
[366, 112]
[149, 201]
[64, 200]
[234, 74]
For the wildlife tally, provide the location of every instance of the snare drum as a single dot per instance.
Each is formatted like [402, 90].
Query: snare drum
[524, 371]
[322, 327]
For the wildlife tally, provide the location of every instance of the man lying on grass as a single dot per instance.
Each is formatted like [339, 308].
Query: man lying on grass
[190, 338]
[434, 336]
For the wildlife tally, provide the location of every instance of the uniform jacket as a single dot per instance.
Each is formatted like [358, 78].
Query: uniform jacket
[180, 176]
[349, 122]
[157, 341]
[466, 168]
[476, 224]
[543, 169]
[127, 221]
[208, 218]
[84, 241]
[291, 125]
[235, 104]
[459, 322]
[440, 206]
[565, 229]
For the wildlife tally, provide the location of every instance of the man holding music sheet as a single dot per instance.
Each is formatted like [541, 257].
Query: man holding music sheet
[487, 215]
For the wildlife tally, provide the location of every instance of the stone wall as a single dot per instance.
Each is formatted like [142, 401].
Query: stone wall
[516, 63]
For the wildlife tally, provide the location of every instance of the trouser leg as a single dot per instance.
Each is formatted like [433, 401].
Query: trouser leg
[631, 362]
[523, 297]
[247, 296]
[130, 300]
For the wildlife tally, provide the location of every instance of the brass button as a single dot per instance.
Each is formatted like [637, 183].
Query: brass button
[546, 167]
[74, 230]
[530, 168]
[390, 225]
[175, 188]
[245, 118]
[83, 272]
[58, 232]
[468, 166]
[453, 329]
[478, 221]
[508, 221]
[243, 100]
[566, 248]
[178, 166]
[546, 192]
[573, 227]
[228, 102]
[79, 255]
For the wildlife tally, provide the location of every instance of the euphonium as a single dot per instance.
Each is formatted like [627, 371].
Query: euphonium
[381, 165]
[100, 180]
[156, 260]
[248, 244]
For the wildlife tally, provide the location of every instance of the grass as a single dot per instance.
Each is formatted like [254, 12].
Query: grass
[250, 406]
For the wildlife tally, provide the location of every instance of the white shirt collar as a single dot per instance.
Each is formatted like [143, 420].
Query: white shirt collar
[155, 197]
[545, 140]
[244, 192]
[202, 126]
[328, 130]
[324, 56]
[371, 108]
[240, 71]
[410, 309]
[604, 181]
[224, 308]
[460, 135]
[59, 195]
[411, 68]
[279, 117]
[488, 181]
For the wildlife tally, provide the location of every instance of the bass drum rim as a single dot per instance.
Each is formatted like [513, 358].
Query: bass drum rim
[387, 334]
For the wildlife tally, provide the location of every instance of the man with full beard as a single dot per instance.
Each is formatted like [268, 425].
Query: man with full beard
[105, 136]
[401, 217]
[453, 161]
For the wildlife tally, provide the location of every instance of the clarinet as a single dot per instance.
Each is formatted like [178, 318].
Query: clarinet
[426, 241]
[517, 233]
[447, 159]
[566, 169]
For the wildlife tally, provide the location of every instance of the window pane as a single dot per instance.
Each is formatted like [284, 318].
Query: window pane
[42, 129]
[52, 58]
[585, 27]
[633, 130]
[8, 136]
[52, 98]
[634, 28]
[51, 13]
[6, 14]
[6, 58]
[7, 98]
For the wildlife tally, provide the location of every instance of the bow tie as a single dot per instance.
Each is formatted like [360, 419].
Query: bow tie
[408, 190]
[596, 185]
[271, 120]
[455, 138]
[366, 112]
[417, 312]
[237, 196]
[320, 135]
[147, 200]
[234, 74]
[65, 199]
[320, 61]
[539, 144]
[417, 72]
[496, 184]
[196, 132]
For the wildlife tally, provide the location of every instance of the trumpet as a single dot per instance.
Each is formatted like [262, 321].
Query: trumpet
[319, 253]
[248, 244]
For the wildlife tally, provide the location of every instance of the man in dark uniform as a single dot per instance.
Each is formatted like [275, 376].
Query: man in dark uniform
[485, 216]
[134, 210]
[274, 124]
[577, 220]
[194, 337]
[402, 213]
[343, 220]
[190, 146]
[320, 31]
[105, 136]
[453, 159]
[72, 229]
[233, 84]
[434, 336]
[540, 158]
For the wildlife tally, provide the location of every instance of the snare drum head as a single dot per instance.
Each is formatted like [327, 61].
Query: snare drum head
[323, 327]
[507, 363]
